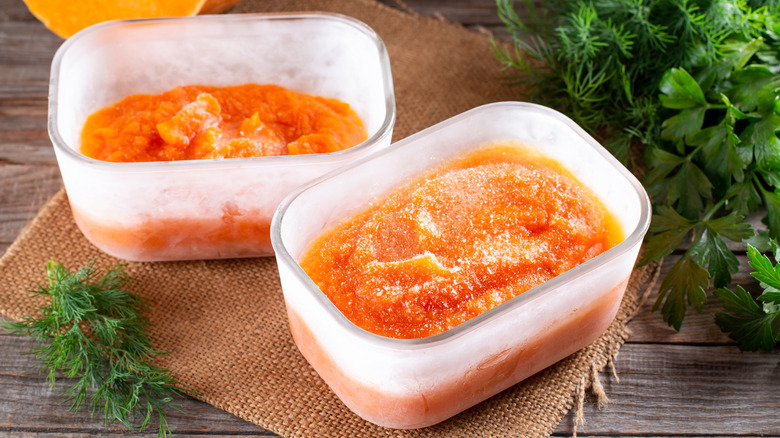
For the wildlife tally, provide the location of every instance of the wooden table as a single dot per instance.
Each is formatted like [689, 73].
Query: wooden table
[692, 383]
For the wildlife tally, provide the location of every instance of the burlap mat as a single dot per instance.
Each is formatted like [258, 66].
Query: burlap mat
[225, 322]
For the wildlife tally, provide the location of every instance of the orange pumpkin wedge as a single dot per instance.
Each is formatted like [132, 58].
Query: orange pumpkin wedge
[66, 17]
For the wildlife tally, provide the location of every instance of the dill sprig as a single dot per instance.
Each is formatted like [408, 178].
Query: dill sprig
[92, 333]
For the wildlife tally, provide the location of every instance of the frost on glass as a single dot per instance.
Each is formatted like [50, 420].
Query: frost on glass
[320, 54]
[412, 383]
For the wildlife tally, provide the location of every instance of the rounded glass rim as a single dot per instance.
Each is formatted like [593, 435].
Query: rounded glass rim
[381, 133]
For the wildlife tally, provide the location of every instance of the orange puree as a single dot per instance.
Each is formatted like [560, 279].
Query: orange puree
[204, 122]
[458, 242]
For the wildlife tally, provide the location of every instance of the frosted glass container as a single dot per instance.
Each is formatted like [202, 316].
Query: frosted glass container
[413, 383]
[205, 209]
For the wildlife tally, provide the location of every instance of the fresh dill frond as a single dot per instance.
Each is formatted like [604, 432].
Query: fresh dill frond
[93, 333]
[601, 61]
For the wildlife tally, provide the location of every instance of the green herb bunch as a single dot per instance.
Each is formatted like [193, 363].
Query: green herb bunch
[92, 333]
[694, 84]
[602, 61]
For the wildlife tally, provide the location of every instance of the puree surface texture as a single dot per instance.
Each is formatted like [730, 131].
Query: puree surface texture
[459, 241]
[204, 122]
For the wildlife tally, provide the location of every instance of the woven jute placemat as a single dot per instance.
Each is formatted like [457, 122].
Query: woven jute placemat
[224, 321]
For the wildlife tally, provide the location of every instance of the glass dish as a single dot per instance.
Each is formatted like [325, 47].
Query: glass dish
[414, 383]
[205, 209]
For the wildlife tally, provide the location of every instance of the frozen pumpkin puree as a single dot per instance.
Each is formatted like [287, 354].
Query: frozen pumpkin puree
[206, 122]
[458, 242]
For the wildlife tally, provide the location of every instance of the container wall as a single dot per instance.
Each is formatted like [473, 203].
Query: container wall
[416, 383]
[206, 208]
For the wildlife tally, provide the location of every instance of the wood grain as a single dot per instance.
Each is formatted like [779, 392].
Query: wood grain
[685, 390]
[692, 383]
[475, 15]
[25, 188]
[27, 403]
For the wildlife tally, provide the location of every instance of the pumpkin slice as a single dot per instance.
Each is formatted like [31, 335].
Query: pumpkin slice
[66, 17]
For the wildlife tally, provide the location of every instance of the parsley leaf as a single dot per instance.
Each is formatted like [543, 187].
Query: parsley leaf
[680, 90]
[753, 327]
[711, 251]
[772, 205]
[669, 229]
[684, 284]
[689, 189]
[751, 85]
[765, 272]
[748, 324]
[684, 124]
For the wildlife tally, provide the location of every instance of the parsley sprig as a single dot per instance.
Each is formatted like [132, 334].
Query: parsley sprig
[695, 84]
[92, 333]
[752, 325]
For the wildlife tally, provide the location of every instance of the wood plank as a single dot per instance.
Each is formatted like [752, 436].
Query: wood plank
[26, 51]
[720, 382]
[24, 137]
[26, 399]
[124, 434]
[471, 14]
[59, 433]
[14, 10]
[675, 390]
[25, 188]
[28, 173]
